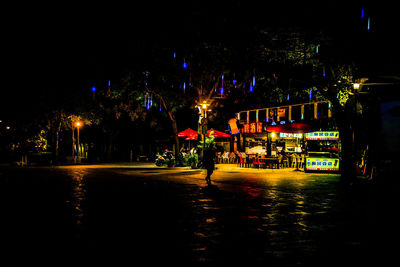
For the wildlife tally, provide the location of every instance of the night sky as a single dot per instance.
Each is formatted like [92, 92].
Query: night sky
[74, 47]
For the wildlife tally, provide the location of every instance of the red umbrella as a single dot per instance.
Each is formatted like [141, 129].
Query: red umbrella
[296, 127]
[191, 137]
[217, 133]
[188, 133]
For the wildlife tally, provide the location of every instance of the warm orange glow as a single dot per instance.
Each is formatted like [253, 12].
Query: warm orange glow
[78, 124]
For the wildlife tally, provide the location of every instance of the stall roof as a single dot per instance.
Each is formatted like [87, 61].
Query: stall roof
[296, 127]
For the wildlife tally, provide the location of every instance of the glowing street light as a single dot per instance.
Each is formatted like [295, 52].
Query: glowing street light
[203, 108]
[78, 124]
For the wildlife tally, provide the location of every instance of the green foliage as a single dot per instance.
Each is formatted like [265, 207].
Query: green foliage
[193, 160]
[38, 142]
[210, 142]
[181, 160]
[170, 162]
[343, 96]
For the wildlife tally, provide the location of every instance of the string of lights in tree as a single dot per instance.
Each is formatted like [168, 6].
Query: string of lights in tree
[148, 102]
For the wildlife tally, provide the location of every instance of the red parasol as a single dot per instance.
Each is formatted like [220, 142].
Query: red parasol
[189, 133]
[217, 133]
[191, 137]
[296, 127]
[192, 134]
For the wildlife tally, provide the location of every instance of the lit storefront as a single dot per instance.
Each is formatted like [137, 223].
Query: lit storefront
[269, 130]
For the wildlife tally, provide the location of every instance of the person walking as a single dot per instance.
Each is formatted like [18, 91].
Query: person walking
[208, 162]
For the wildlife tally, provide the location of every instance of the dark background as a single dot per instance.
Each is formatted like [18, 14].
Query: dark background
[70, 48]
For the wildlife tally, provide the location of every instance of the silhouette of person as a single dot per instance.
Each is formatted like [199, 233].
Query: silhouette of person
[208, 161]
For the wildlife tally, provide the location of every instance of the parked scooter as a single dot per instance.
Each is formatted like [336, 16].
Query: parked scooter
[159, 160]
[167, 158]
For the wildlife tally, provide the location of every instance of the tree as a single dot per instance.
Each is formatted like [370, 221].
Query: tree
[278, 67]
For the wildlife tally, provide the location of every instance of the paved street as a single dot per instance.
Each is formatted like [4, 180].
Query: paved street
[126, 213]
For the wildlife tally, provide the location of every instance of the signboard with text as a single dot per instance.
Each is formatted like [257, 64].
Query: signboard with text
[290, 135]
[322, 135]
[322, 164]
[254, 127]
[281, 112]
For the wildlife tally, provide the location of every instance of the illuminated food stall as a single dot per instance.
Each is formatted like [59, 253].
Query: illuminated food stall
[323, 148]
[269, 130]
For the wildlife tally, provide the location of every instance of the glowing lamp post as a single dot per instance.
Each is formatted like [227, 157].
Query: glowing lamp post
[78, 124]
[203, 123]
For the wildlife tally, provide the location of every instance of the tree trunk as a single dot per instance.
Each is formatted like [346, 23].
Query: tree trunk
[175, 132]
[173, 121]
[344, 121]
[57, 146]
[346, 135]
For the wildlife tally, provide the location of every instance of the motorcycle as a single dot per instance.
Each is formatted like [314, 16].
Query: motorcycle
[166, 158]
[159, 160]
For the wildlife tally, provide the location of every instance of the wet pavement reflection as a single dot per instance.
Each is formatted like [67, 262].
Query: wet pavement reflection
[283, 218]
[78, 197]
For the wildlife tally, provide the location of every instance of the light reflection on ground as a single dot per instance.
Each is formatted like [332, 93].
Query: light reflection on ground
[280, 217]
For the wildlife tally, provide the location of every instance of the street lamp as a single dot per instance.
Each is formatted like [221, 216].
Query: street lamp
[203, 123]
[78, 124]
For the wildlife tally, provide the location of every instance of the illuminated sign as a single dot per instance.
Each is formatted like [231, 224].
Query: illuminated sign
[233, 126]
[252, 127]
[322, 164]
[259, 127]
[332, 136]
[290, 135]
[246, 128]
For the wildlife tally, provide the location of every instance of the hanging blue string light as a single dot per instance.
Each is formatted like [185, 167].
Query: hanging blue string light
[174, 55]
[185, 65]
[148, 102]
[222, 86]
[362, 13]
[310, 94]
[251, 87]
[369, 24]
[254, 80]
[288, 97]
[93, 89]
